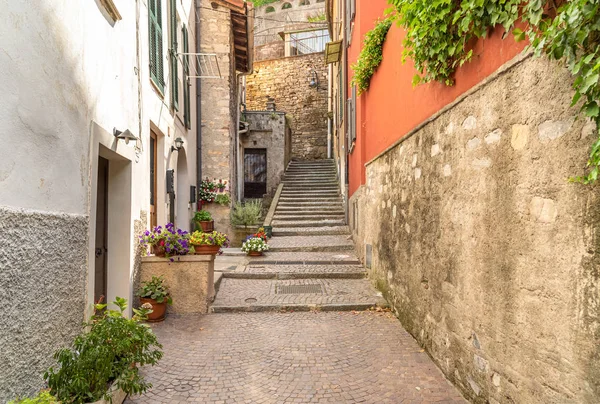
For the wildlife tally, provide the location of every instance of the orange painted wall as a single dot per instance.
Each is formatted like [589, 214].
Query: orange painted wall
[391, 107]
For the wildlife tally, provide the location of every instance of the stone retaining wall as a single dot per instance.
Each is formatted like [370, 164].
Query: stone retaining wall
[190, 279]
[287, 81]
[485, 250]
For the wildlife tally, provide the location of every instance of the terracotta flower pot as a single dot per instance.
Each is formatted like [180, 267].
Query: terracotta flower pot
[159, 310]
[255, 253]
[206, 249]
[159, 251]
[207, 227]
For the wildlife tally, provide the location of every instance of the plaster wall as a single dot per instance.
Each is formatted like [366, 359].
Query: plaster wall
[487, 253]
[75, 74]
[287, 81]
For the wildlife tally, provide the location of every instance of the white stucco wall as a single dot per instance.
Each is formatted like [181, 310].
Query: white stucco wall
[71, 75]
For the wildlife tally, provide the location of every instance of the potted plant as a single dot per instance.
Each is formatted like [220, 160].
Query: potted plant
[221, 185]
[254, 246]
[166, 242]
[102, 364]
[204, 220]
[155, 293]
[206, 193]
[261, 234]
[208, 243]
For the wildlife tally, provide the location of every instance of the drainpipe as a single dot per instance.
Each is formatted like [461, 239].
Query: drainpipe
[329, 103]
[198, 105]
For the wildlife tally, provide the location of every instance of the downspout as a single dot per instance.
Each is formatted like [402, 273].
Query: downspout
[329, 106]
[198, 105]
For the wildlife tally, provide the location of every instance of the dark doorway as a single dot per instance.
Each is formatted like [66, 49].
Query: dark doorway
[100, 275]
[153, 162]
[255, 173]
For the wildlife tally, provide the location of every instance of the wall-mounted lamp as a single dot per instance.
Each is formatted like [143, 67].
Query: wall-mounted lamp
[314, 79]
[178, 145]
[126, 135]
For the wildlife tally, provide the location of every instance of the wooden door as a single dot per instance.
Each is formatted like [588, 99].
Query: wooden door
[255, 173]
[100, 272]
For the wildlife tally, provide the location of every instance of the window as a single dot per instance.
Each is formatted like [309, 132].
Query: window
[303, 43]
[173, 52]
[270, 9]
[286, 6]
[186, 72]
[304, 3]
[156, 43]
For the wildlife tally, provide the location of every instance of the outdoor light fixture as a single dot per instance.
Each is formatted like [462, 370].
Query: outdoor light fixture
[126, 135]
[314, 79]
[178, 145]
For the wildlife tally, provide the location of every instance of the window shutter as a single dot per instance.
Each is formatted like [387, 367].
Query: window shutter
[186, 84]
[173, 58]
[353, 116]
[155, 43]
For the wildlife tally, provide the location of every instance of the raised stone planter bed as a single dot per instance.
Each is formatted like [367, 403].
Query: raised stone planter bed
[190, 279]
[118, 397]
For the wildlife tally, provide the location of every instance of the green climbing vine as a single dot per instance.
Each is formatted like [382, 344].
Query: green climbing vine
[439, 33]
[259, 3]
[371, 55]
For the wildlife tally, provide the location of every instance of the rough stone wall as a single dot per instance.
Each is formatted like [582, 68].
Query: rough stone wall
[287, 81]
[43, 266]
[268, 131]
[273, 50]
[487, 253]
[218, 106]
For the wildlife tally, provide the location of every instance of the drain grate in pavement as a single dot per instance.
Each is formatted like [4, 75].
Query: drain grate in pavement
[298, 289]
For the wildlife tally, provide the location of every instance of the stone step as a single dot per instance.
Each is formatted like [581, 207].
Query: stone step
[309, 210]
[250, 295]
[309, 198]
[310, 217]
[310, 188]
[310, 231]
[312, 184]
[292, 192]
[305, 258]
[307, 243]
[259, 271]
[311, 205]
[308, 223]
[327, 163]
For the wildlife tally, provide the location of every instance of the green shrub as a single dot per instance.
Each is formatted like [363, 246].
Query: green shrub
[155, 289]
[202, 216]
[44, 397]
[246, 214]
[223, 199]
[112, 351]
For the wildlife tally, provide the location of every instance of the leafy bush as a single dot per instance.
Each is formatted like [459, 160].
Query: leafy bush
[155, 289]
[214, 238]
[254, 244]
[371, 55]
[111, 352]
[247, 214]
[44, 397]
[202, 216]
[223, 199]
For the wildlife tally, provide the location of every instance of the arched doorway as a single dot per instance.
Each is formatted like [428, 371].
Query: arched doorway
[182, 195]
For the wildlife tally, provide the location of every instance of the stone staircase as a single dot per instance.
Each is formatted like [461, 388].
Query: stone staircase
[311, 263]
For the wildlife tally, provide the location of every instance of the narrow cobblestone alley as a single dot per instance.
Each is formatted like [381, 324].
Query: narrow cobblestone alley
[301, 324]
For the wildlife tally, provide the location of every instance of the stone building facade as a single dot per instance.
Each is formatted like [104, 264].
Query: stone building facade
[487, 253]
[287, 81]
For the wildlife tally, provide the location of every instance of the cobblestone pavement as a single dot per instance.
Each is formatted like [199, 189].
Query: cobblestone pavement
[257, 293]
[340, 242]
[292, 358]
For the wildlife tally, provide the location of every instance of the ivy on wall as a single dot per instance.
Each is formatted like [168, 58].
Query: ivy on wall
[259, 3]
[371, 55]
[439, 33]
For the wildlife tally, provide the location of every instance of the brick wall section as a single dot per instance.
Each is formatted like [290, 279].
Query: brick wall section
[487, 253]
[287, 81]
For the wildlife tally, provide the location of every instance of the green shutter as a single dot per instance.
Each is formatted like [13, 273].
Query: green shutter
[186, 73]
[174, 72]
[155, 39]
